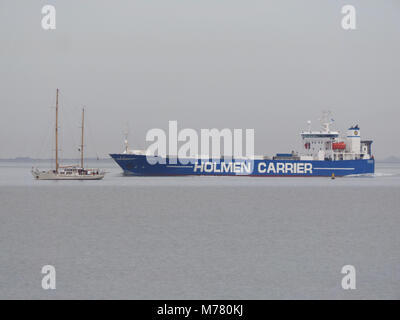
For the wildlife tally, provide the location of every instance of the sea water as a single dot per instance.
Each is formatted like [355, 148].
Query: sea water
[199, 237]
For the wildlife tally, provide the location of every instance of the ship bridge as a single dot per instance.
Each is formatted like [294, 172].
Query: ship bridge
[327, 144]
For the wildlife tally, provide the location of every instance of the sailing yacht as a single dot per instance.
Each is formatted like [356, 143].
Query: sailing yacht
[74, 172]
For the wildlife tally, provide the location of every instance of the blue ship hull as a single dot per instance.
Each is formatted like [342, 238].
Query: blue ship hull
[138, 165]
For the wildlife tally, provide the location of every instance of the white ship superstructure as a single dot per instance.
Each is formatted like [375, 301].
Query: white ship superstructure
[328, 144]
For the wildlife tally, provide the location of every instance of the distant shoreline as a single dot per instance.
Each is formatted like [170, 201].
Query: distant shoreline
[391, 159]
[26, 159]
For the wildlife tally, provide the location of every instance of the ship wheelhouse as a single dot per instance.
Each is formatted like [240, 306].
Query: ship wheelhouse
[318, 144]
[329, 145]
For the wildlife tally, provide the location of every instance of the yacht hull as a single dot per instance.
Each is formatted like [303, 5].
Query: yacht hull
[51, 175]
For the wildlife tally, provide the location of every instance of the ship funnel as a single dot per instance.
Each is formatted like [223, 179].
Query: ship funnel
[354, 139]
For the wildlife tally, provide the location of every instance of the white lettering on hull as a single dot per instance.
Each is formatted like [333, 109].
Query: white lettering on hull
[287, 167]
[246, 167]
[223, 167]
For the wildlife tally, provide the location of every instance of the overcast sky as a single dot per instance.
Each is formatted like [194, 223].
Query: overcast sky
[267, 65]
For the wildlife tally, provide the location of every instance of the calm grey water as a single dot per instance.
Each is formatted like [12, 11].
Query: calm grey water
[200, 237]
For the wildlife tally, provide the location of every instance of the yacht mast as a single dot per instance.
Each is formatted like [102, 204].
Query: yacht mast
[83, 125]
[56, 130]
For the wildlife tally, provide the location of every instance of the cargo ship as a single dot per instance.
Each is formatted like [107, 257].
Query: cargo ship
[323, 153]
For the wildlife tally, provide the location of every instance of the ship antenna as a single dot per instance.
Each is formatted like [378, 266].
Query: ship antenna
[325, 122]
[126, 133]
